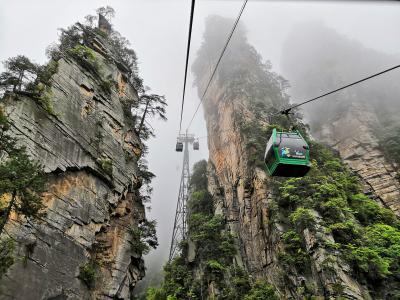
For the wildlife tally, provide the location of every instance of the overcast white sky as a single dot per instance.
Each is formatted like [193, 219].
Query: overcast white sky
[158, 29]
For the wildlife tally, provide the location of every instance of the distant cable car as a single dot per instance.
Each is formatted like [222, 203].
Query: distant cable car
[196, 145]
[287, 154]
[179, 146]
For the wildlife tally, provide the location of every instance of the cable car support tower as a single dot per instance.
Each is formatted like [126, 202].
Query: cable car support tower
[180, 227]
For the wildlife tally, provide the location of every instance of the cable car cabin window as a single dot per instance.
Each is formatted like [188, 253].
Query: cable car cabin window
[291, 146]
[269, 157]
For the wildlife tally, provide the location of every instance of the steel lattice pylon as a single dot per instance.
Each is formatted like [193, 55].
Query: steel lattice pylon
[179, 231]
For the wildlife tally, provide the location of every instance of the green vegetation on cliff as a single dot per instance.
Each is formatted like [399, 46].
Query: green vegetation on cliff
[144, 237]
[322, 230]
[87, 273]
[354, 220]
[21, 186]
[212, 271]
[329, 202]
[23, 77]
[83, 71]
[390, 143]
[326, 237]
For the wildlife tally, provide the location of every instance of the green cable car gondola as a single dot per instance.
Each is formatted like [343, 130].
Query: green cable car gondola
[287, 154]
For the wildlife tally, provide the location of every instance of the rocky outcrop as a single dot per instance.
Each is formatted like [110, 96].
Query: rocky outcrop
[351, 121]
[90, 154]
[353, 134]
[243, 194]
[244, 198]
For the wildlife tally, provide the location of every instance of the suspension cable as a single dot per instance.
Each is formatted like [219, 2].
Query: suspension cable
[187, 61]
[219, 60]
[288, 110]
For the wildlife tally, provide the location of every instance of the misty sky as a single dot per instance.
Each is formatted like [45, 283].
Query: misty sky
[158, 29]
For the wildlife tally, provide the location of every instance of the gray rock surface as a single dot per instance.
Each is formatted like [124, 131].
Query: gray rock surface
[244, 198]
[242, 90]
[359, 148]
[90, 209]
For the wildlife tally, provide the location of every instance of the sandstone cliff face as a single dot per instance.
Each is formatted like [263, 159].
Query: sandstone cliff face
[359, 147]
[90, 153]
[245, 195]
[354, 120]
[244, 198]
